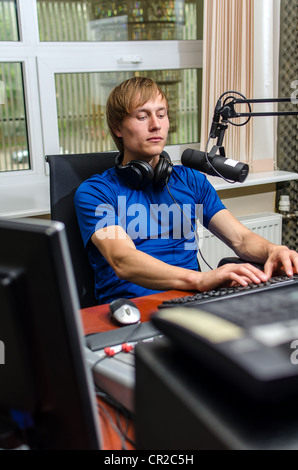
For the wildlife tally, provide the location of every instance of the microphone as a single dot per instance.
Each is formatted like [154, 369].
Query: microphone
[215, 120]
[215, 166]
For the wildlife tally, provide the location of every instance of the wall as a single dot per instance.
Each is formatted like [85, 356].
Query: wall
[249, 200]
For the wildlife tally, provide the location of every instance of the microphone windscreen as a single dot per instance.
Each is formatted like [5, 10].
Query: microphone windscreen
[216, 165]
[192, 157]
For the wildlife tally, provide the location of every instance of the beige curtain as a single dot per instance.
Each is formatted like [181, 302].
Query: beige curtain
[228, 65]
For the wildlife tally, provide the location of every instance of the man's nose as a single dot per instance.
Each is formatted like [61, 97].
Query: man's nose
[154, 122]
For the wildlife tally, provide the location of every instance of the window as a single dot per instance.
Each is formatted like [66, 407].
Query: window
[81, 100]
[59, 62]
[8, 21]
[122, 20]
[56, 57]
[14, 154]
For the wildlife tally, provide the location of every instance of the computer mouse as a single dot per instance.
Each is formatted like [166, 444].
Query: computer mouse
[124, 312]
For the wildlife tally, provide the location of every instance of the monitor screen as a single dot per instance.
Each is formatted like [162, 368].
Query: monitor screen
[46, 393]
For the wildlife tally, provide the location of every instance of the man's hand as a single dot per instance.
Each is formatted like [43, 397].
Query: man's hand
[140, 268]
[232, 274]
[281, 260]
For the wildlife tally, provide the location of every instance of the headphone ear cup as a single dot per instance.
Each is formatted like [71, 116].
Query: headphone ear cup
[145, 171]
[163, 170]
[137, 173]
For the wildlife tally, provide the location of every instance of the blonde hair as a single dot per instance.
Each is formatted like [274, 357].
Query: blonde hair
[126, 97]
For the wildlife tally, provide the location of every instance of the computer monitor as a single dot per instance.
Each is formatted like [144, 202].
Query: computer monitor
[46, 395]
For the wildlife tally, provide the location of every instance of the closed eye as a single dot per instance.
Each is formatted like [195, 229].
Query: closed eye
[142, 117]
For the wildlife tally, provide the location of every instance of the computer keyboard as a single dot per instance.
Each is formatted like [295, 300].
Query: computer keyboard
[202, 298]
[267, 315]
[266, 307]
[249, 338]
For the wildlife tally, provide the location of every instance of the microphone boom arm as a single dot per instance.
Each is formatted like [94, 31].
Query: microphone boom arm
[223, 114]
[227, 112]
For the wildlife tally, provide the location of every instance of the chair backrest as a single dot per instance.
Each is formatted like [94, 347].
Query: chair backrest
[67, 172]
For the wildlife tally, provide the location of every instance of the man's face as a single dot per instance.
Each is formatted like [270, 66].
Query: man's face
[144, 132]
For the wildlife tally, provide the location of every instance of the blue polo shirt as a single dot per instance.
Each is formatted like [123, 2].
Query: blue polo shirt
[160, 221]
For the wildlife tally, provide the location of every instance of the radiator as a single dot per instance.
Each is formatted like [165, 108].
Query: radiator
[267, 224]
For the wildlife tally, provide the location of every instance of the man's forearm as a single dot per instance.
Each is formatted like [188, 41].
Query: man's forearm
[245, 243]
[140, 268]
[254, 248]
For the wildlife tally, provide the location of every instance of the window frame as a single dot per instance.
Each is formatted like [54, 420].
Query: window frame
[26, 192]
[81, 58]
[40, 62]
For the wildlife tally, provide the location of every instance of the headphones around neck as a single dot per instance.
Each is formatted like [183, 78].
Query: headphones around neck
[138, 174]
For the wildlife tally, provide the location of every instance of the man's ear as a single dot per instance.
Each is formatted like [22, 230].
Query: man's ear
[117, 132]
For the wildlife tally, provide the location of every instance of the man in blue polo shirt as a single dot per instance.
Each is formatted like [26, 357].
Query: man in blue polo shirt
[138, 219]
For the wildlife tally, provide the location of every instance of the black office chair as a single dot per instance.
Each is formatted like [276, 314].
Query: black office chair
[67, 172]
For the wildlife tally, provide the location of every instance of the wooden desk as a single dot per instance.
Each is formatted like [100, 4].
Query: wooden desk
[97, 319]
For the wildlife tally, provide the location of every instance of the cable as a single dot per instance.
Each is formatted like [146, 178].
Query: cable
[191, 225]
[119, 408]
[124, 432]
[210, 164]
[230, 97]
[248, 104]
[102, 408]
[126, 340]
[114, 403]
